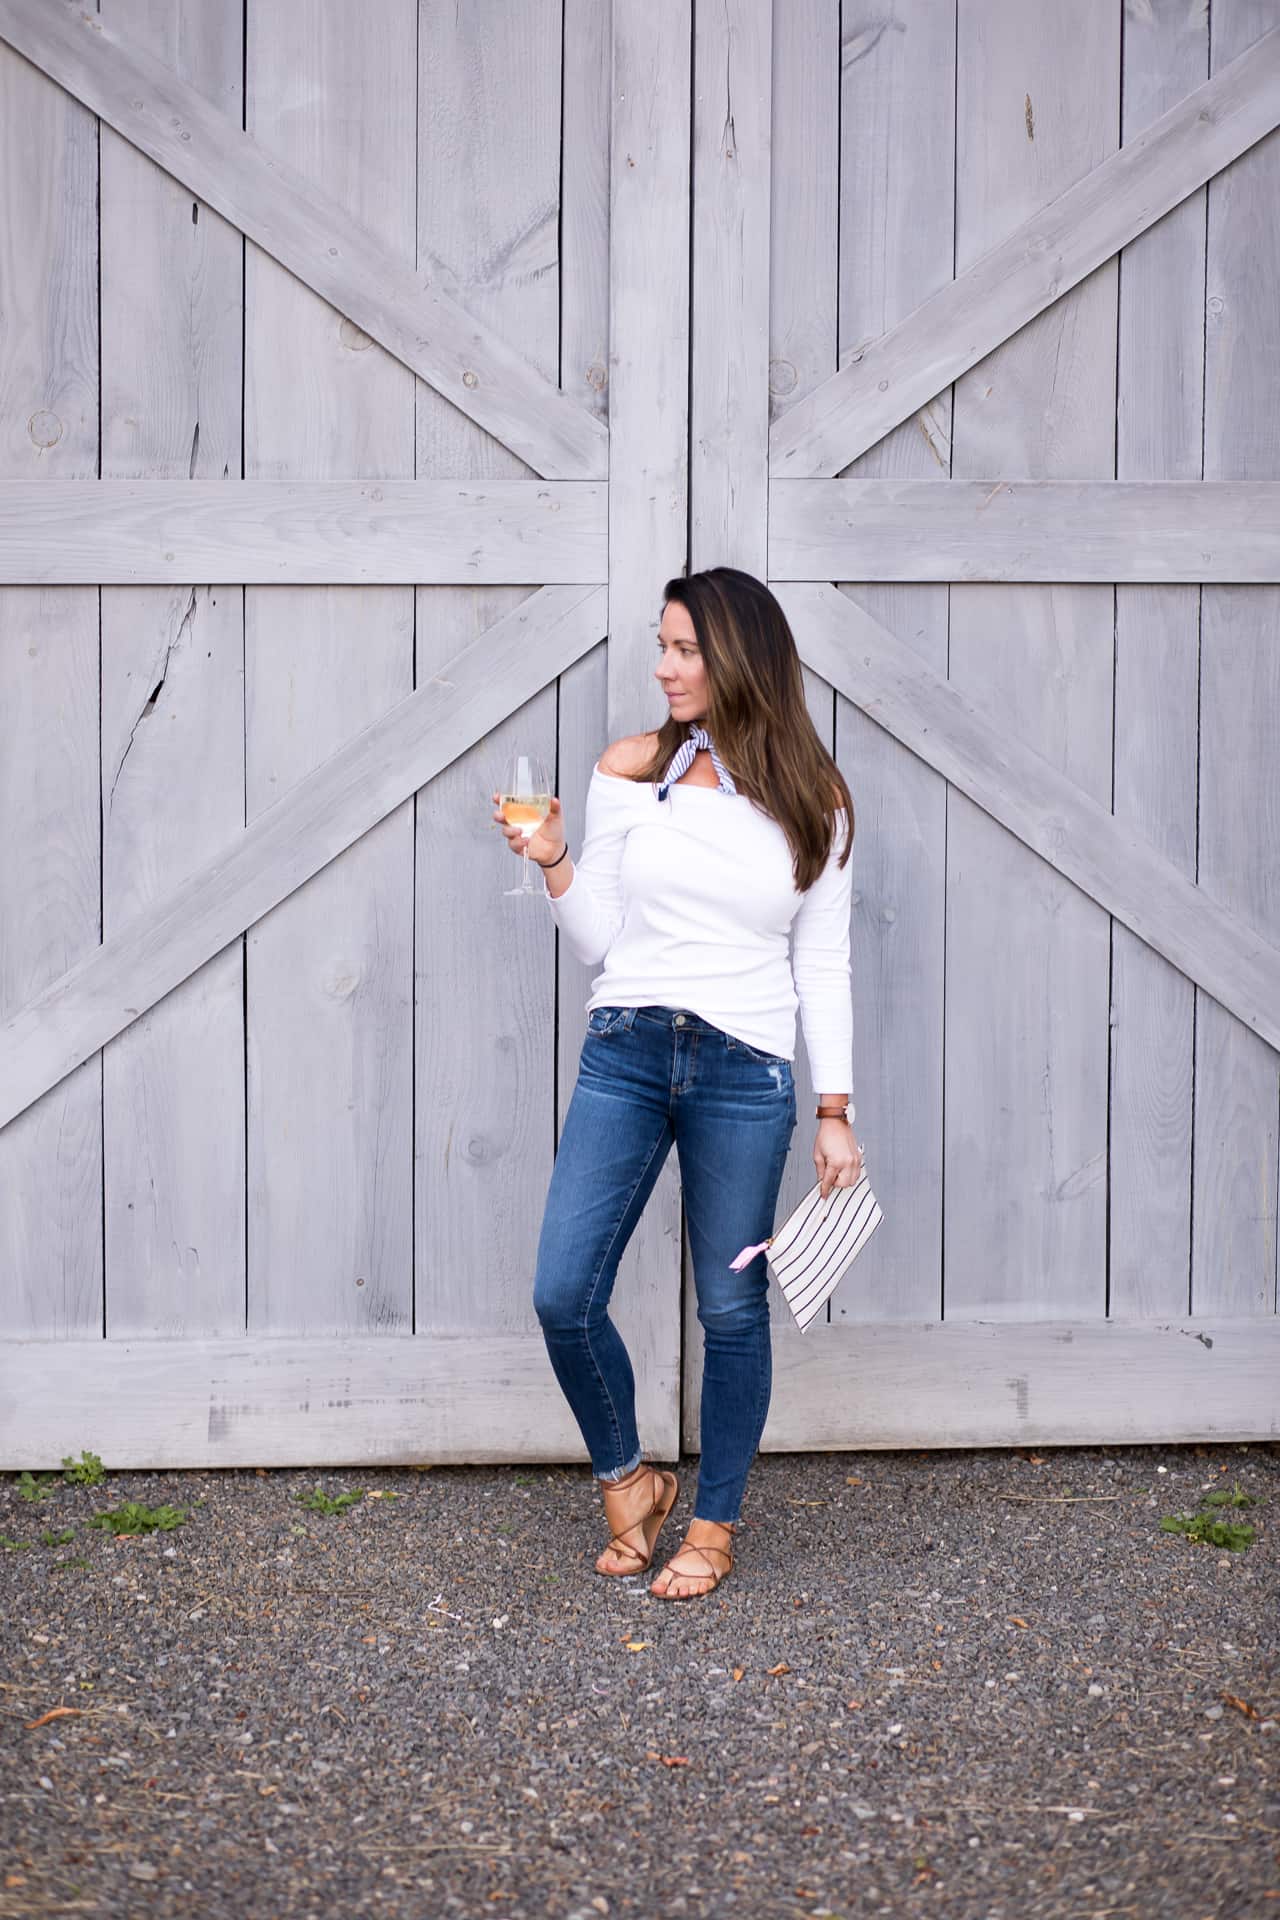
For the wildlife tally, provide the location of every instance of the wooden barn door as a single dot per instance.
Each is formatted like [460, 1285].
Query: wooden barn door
[318, 493]
[984, 349]
[358, 379]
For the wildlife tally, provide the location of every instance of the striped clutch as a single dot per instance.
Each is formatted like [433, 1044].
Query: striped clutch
[817, 1243]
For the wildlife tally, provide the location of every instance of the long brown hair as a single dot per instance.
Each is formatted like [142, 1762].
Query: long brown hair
[757, 716]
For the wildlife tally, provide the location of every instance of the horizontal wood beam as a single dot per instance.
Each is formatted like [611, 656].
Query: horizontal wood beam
[342, 798]
[285, 1400]
[1009, 1382]
[888, 379]
[277, 532]
[309, 233]
[1078, 838]
[1169, 531]
[392, 1399]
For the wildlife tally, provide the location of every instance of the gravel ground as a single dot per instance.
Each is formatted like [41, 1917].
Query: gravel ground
[982, 1684]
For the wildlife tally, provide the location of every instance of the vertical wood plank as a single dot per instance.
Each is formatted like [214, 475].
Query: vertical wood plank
[729, 364]
[1159, 411]
[1237, 1121]
[488, 209]
[584, 347]
[805, 179]
[804, 289]
[331, 87]
[897, 200]
[50, 828]
[729, 343]
[1027, 955]
[649, 181]
[649, 186]
[647, 1322]
[172, 711]
[804, 297]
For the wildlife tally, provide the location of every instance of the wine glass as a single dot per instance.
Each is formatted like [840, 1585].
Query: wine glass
[525, 801]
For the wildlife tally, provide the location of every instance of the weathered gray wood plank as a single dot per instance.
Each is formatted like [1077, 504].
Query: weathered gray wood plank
[729, 336]
[729, 366]
[804, 80]
[51, 1159]
[649, 336]
[172, 706]
[299, 532]
[987, 1383]
[1159, 414]
[897, 217]
[584, 339]
[282, 532]
[277, 205]
[1027, 954]
[484, 965]
[392, 1399]
[1160, 530]
[648, 1324]
[1065, 237]
[804, 257]
[330, 970]
[320, 816]
[584, 344]
[649, 187]
[1235, 1204]
[1112, 863]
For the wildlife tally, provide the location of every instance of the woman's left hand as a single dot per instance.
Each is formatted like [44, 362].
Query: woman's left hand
[837, 1156]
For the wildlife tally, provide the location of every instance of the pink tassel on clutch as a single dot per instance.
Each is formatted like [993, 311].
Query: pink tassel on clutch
[748, 1254]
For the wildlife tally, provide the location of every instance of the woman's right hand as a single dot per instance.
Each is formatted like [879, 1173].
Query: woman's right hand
[544, 843]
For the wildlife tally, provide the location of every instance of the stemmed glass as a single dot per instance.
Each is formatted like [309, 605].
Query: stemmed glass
[525, 801]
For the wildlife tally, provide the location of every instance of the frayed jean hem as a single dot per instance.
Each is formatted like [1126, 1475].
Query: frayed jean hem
[620, 1473]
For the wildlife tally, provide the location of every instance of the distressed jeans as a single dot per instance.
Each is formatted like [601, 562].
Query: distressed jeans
[648, 1076]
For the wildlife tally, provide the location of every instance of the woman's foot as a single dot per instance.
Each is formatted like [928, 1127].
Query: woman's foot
[700, 1562]
[636, 1509]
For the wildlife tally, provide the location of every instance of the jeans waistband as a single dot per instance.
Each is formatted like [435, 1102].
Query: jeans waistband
[680, 1019]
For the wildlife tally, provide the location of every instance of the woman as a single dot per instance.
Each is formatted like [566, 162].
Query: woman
[707, 844]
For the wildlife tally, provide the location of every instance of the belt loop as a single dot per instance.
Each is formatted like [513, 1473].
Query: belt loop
[629, 1019]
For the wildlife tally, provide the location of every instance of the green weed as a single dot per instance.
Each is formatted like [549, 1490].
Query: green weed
[133, 1517]
[1203, 1528]
[319, 1502]
[88, 1471]
[47, 1539]
[36, 1486]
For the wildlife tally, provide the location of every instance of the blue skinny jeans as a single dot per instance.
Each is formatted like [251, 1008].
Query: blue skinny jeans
[648, 1076]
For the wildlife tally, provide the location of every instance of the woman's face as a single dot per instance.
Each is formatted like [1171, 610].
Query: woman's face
[681, 671]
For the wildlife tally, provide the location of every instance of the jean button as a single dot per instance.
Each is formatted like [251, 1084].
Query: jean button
[679, 1019]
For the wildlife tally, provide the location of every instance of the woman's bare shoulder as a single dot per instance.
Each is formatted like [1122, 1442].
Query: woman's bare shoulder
[625, 757]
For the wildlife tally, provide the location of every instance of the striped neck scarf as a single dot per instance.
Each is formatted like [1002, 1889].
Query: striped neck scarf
[697, 737]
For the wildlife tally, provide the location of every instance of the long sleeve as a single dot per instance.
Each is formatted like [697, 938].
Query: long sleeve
[589, 912]
[820, 967]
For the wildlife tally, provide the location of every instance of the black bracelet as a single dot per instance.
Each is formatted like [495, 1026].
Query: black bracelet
[547, 866]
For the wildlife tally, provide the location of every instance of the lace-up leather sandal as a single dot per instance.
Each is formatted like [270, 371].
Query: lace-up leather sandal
[622, 1498]
[696, 1549]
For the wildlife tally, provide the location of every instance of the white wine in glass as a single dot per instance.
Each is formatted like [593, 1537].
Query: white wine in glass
[525, 802]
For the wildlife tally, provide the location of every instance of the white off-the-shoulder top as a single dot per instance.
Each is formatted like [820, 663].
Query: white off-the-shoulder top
[691, 902]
